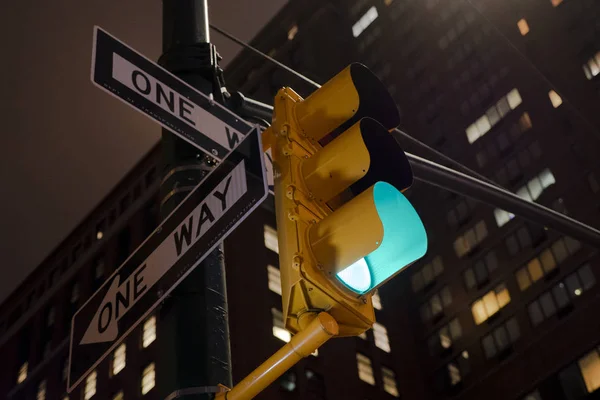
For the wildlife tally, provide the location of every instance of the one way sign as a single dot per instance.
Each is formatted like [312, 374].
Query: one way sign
[216, 206]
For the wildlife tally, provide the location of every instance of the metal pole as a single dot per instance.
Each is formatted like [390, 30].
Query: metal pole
[193, 328]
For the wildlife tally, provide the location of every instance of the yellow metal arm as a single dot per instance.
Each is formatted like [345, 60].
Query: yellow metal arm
[322, 328]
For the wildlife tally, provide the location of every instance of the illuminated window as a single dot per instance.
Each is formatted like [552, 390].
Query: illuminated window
[148, 378]
[493, 115]
[592, 66]
[501, 338]
[118, 361]
[490, 303]
[458, 369]
[389, 381]
[422, 278]
[445, 337]
[387, 2]
[274, 279]
[364, 21]
[535, 395]
[590, 370]
[99, 235]
[292, 32]
[22, 375]
[555, 3]
[271, 241]
[279, 330]
[381, 337]
[149, 332]
[555, 99]
[118, 396]
[90, 385]
[469, 240]
[523, 26]
[365, 369]
[41, 392]
[376, 301]
[363, 336]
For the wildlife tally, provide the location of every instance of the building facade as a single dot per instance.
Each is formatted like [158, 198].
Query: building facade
[499, 308]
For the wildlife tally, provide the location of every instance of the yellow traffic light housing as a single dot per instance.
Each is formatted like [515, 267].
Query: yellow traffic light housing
[344, 226]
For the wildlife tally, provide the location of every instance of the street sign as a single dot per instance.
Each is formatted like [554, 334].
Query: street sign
[223, 199]
[152, 90]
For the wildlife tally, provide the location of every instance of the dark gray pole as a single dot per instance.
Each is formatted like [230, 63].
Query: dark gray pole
[193, 331]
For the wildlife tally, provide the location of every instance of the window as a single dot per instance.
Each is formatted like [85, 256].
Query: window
[555, 99]
[99, 235]
[22, 375]
[592, 66]
[271, 241]
[483, 125]
[364, 21]
[459, 214]
[518, 240]
[292, 32]
[274, 279]
[490, 303]
[288, 381]
[478, 275]
[389, 381]
[535, 395]
[118, 361]
[445, 337]
[90, 385]
[426, 275]
[118, 396]
[456, 370]
[279, 330]
[434, 307]
[501, 338]
[41, 392]
[545, 262]
[468, 241]
[523, 26]
[148, 378]
[556, 3]
[75, 293]
[376, 301]
[149, 331]
[365, 369]
[590, 370]
[381, 337]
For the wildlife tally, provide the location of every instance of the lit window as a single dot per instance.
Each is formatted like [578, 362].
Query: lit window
[363, 336]
[41, 392]
[149, 332]
[90, 385]
[555, 99]
[381, 337]
[279, 330]
[389, 381]
[148, 378]
[274, 279]
[493, 115]
[502, 217]
[387, 2]
[555, 3]
[490, 303]
[376, 301]
[364, 21]
[99, 235]
[271, 241]
[592, 67]
[118, 361]
[445, 337]
[22, 375]
[590, 369]
[65, 397]
[535, 395]
[75, 292]
[365, 369]
[523, 26]
[118, 396]
[466, 242]
[292, 32]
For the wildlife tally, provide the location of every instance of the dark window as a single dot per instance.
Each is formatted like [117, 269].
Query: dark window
[150, 176]
[123, 245]
[288, 381]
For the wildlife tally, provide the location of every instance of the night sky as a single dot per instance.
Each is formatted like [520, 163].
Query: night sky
[65, 143]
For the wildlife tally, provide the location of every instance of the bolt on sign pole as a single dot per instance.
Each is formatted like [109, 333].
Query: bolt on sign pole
[193, 326]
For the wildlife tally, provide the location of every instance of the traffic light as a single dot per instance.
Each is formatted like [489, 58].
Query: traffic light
[343, 224]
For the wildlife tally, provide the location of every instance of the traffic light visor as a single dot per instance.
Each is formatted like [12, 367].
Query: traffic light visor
[404, 241]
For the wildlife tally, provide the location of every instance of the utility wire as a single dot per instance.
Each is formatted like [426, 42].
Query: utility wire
[440, 157]
[466, 184]
[533, 66]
